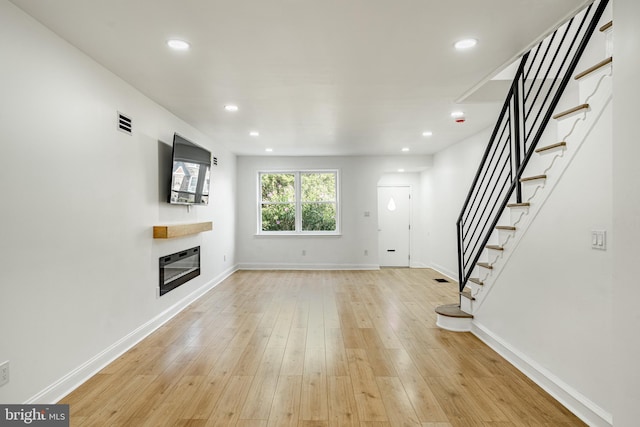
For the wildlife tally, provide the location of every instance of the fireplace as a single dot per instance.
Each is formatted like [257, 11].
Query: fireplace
[177, 269]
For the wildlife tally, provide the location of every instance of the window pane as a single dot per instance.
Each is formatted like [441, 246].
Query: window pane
[278, 187]
[280, 217]
[318, 187]
[319, 217]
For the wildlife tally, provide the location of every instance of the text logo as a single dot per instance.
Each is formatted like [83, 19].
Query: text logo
[34, 415]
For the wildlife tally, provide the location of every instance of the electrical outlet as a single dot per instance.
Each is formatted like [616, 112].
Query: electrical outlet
[4, 373]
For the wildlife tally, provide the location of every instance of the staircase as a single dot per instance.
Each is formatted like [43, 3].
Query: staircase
[549, 111]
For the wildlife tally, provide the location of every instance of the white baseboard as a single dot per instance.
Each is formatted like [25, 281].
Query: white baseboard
[82, 373]
[300, 266]
[573, 400]
[418, 265]
[445, 272]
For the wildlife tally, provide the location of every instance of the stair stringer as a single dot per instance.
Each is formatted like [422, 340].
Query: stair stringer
[575, 130]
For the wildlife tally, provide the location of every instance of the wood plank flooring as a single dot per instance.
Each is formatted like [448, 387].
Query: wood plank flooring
[314, 349]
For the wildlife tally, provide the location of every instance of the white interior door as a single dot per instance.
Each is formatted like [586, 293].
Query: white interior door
[393, 226]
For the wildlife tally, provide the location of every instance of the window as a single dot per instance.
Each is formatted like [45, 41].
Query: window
[278, 202]
[304, 202]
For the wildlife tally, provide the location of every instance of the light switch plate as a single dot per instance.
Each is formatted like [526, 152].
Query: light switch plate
[599, 239]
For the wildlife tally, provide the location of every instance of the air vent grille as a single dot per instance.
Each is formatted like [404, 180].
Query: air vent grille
[214, 161]
[124, 123]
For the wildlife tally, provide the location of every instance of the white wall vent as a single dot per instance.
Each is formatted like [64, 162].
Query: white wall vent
[124, 123]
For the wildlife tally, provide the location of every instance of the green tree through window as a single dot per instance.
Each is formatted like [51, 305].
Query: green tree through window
[318, 201]
[278, 202]
[305, 201]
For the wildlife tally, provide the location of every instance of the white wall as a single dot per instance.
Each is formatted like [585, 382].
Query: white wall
[626, 211]
[78, 265]
[359, 177]
[444, 190]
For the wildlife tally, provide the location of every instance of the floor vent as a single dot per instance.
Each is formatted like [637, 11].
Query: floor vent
[124, 123]
[441, 280]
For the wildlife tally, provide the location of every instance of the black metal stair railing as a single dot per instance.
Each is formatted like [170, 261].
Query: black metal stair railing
[540, 81]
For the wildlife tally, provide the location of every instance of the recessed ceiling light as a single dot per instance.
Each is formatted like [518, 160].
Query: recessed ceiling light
[457, 114]
[465, 44]
[400, 170]
[254, 133]
[405, 149]
[427, 133]
[231, 107]
[178, 44]
[268, 150]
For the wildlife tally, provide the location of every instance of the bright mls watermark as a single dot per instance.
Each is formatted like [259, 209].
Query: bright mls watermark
[34, 415]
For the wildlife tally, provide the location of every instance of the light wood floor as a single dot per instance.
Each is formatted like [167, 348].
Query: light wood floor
[335, 348]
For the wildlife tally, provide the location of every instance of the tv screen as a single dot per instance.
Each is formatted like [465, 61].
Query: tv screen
[190, 174]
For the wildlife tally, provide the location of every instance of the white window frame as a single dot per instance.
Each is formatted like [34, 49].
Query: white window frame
[298, 203]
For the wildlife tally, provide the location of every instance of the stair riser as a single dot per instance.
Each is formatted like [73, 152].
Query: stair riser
[482, 272]
[565, 126]
[504, 236]
[589, 84]
[516, 215]
[531, 189]
[550, 136]
[474, 287]
[569, 99]
[466, 305]
[455, 324]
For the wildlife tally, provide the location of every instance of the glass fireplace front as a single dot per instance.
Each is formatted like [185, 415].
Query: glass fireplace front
[177, 269]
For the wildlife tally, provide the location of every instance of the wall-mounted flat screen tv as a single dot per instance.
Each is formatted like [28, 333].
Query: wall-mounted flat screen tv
[191, 173]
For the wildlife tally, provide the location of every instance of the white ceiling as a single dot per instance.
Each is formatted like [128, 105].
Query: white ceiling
[321, 77]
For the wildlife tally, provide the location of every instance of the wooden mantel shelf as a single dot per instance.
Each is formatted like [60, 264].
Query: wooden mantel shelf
[179, 230]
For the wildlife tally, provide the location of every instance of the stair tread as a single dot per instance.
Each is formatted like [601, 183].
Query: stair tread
[606, 26]
[519, 205]
[476, 281]
[505, 227]
[453, 310]
[571, 111]
[594, 68]
[485, 265]
[495, 247]
[533, 178]
[551, 147]
[467, 294]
